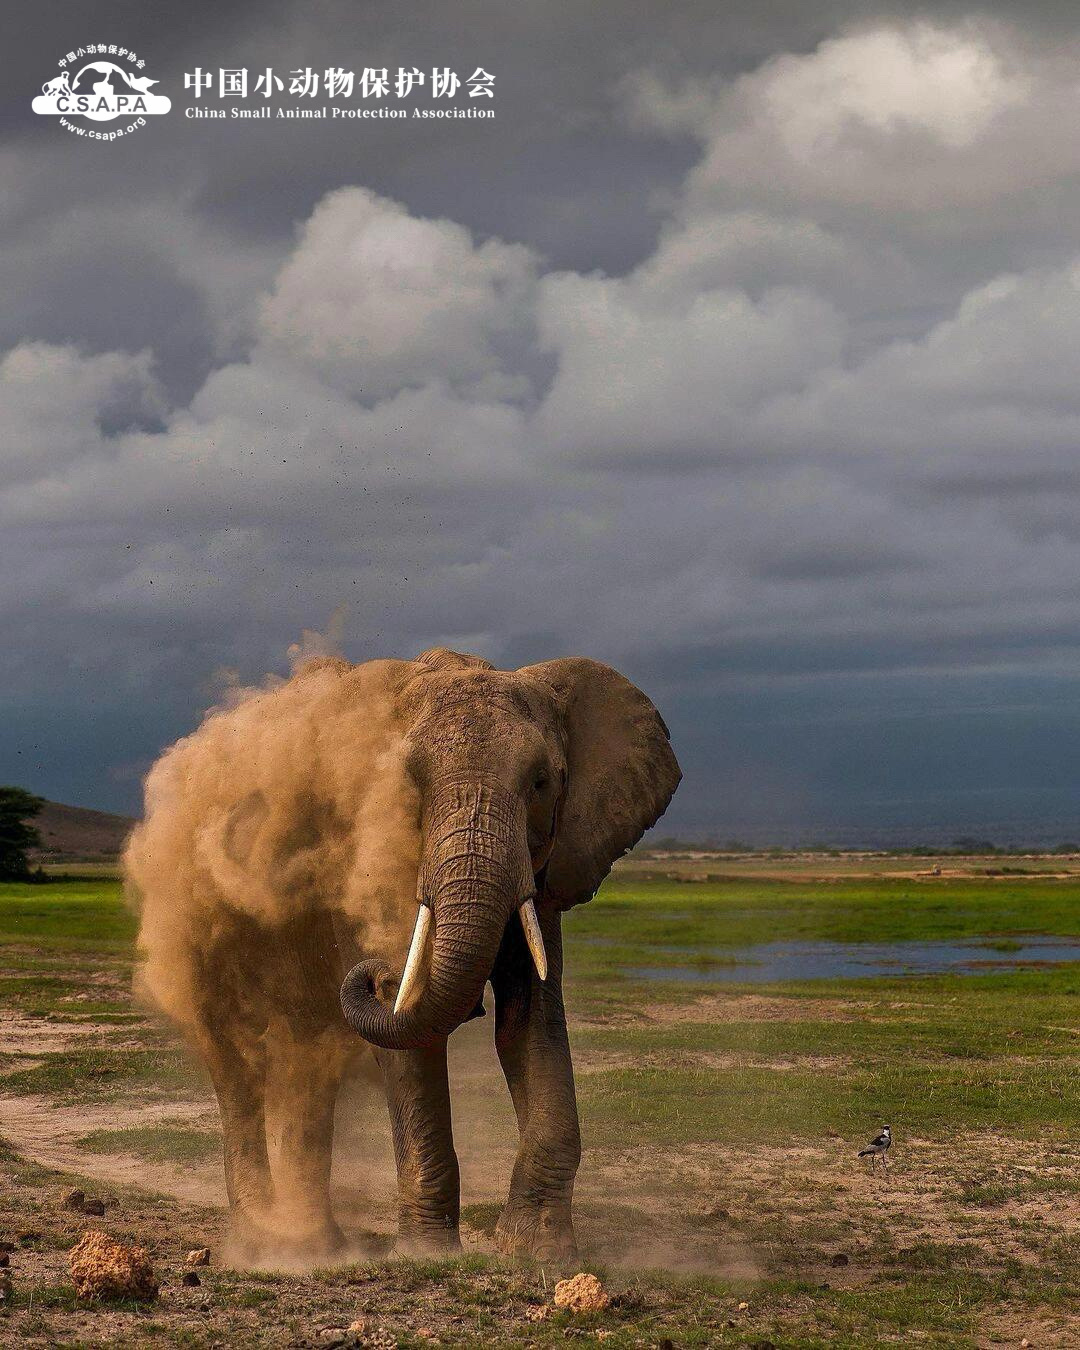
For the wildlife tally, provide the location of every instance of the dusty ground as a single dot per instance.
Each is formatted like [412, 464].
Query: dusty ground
[741, 1215]
[720, 1197]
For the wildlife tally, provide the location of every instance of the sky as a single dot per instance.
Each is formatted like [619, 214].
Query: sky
[739, 350]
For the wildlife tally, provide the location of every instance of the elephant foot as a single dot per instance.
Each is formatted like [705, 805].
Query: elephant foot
[246, 1240]
[325, 1243]
[267, 1245]
[542, 1232]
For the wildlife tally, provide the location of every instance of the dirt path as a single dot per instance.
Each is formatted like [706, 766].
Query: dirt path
[48, 1135]
[22, 1035]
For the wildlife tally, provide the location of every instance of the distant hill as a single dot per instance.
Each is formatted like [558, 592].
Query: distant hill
[74, 834]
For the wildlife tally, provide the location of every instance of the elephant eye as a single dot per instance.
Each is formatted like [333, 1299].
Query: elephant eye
[541, 782]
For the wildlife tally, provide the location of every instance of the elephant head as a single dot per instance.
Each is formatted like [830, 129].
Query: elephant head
[531, 784]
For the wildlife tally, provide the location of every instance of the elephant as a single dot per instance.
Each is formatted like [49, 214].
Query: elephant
[341, 862]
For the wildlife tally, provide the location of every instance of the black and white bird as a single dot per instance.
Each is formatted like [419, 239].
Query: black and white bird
[877, 1148]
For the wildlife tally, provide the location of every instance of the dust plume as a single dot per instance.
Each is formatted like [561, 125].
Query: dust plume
[289, 799]
[280, 839]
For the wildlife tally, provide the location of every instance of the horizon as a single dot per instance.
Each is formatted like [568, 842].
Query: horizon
[1006, 838]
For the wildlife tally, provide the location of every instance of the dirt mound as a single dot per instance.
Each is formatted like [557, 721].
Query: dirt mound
[106, 1269]
[583, 1293]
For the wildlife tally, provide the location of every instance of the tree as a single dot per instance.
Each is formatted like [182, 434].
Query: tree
[17, 807]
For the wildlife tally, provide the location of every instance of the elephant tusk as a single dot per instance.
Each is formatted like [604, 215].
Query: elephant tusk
[411, 975]
[531, 924]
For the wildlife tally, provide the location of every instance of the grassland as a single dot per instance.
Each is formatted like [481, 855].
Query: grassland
[720, 1197]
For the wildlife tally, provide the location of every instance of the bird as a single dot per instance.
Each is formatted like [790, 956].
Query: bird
[877, 1148]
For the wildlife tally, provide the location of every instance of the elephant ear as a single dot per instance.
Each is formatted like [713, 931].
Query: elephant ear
[621, 772]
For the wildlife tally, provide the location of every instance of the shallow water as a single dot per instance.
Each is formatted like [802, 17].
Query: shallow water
[768, 961]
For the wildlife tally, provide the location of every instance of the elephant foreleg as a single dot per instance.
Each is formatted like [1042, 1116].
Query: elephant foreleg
[237, 1070]
[429, 1196]
[530, 1036]
[306, 1066]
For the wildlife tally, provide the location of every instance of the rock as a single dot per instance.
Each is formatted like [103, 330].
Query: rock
[840, 1259]
[190, 1279]
[583, 1293]
[94, 1206]
[380, 1338]
[104, 1268]
[199, 1257]
[332, 1336]
[74, 1200]
[426, 1334]
[357, 1328]
[538, 1312]
[742, 1307]
[1025, 1342]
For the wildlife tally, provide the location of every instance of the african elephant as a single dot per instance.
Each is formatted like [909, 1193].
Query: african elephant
[381, 840]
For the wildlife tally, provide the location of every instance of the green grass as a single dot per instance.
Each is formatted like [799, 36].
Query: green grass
[253, 1298]
[633, 913]
[746, 1104]
[62, 999]
[96, 1074]
[945, 1017]
[482, 1217]
[169, 1141]
[103, 871]
[69, 914]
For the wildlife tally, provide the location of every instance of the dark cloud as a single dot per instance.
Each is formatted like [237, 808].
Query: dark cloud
[739, 351]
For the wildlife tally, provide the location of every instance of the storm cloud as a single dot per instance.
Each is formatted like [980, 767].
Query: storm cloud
[790, 435]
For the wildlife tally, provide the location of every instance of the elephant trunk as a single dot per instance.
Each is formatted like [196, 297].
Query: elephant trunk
[474, 873]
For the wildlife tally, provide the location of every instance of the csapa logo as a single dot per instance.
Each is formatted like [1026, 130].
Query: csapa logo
[101, 83]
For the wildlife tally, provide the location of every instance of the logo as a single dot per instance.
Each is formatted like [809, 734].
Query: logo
[101, 83]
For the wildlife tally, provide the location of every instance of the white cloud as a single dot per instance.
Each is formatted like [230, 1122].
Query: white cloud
[57, 404]
[992, 388]
[949, 84]
[642, 377]
[374, 300]
[912, 122]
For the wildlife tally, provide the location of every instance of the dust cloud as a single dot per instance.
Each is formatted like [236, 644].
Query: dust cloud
[280, 839]
[289, 799]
